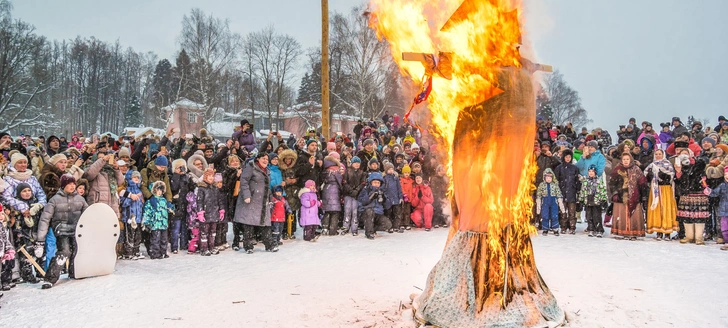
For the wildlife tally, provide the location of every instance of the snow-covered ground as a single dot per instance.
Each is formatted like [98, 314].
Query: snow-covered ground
[354, 282]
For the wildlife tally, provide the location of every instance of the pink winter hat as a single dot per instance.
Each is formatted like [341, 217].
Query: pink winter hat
[310, 184]
[331, 146]
[335, 155]
[725, 170]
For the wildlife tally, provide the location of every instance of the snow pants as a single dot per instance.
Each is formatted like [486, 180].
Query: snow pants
[6, 271]
[221, 234]
[277, 229]
[568, 219]
[208, 231]
[420, 214]
[309, 232]
[133, 240]
[394, 213]
[331, 222]
[65, 250]
[406, 215]
[158, 243]
[175, 227]
[351, 214]
[549, 214]
[594, 218]
[375, 222]
[724, 227]
[237, 233]
[26, 268]
[194, 239]
[249, 236]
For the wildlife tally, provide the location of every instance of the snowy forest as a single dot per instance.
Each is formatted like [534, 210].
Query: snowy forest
[94, 86]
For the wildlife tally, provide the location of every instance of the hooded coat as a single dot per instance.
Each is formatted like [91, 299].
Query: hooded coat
[332, 183]
[254, 185]
[211, 200]
[61, 213]
[367, 200]
[392, 191]
[287, 154]
[152, 174]
[156, 209]
[646, 155]
[195, 173]
[567, 174]
[12, 180]
[309, 207]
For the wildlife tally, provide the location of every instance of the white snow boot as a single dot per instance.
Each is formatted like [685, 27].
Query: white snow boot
[689, 233]
[699, 229]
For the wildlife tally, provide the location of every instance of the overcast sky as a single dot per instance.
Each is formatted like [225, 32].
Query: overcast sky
[647, 59]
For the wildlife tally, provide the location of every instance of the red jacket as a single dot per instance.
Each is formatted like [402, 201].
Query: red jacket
[420, 202]
[692, 145]
[280, 209]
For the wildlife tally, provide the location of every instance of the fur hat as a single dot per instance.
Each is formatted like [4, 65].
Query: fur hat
[66, 179]
[57, 158]
[15, 158]
[124, 152]
[159, 185]
[406, 169]
[136, 174]
[284, 155]
[177, 163]
[723, 147]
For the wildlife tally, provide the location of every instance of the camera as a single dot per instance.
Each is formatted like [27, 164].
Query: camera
[380, 196]
[683, 159]
[15, 146]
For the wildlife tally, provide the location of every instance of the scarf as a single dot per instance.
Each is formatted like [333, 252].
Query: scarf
[631, 176]
[20, 176]
[656, 167]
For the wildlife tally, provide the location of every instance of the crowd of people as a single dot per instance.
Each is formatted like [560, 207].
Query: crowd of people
[182, 194]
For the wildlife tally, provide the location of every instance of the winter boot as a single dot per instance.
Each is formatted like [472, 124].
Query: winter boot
[719, 241]
[599, 235]
[591, 233]
[344, 231]
[699, 229]
[273, 249]
[689, 233]
[545, 232]
[556, 232]
[370, 236]
[325, 232]
[724, 248]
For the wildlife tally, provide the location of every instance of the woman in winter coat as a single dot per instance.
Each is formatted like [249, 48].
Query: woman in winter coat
[230, 188]
[309, 210]
[661, 209]
[422, 200]
[331, 194]
[18, 173]
[179, 183]
[61, 214]
[252, 208]
[567, 174]
[105, 177]
[197, 164]
[693, 207]
[628, 186]
[50, 175]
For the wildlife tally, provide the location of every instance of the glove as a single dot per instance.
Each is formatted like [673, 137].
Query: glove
[35, 208]
[201, 216]
[401, 201]
[707, 191]
[222, 214]
[406, 198]
[146, 227]
[313, 203]
[28, 220]
[38, 249]
[9, 255]
[132, 222]
[703, 182]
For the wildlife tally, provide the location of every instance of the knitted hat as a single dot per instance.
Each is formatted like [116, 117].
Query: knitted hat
[161, 161]
[136, 174]
[21, 186]
[218, 177]
[17, 157]
[57, 158]
[335, 155]
[310, 141]
[406, 169]
[415, 146]
[710, 140]
[310, 184]
[375, 176]
[331, 145]
[177, 163]
[368, 142]
[278, 188]
[387, 166]
[593, 143]
[66, 179]
[355, 159]
[272, 156]
[124, 152]
[593, 168]
[416, 164]
[373, 160]
[676, 119]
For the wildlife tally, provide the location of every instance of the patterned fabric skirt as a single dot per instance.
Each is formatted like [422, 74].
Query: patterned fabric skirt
[693, 208]
[662, 219]
[627, 225]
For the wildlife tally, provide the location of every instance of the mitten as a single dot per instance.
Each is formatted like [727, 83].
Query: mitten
[538, 206]
[313, 203]
[406, 198]
[9, 255]
[201, 216]
[38, 249]
[222, 214]
[35, 208]
[28, 221]
[561, 205]
[707, 191]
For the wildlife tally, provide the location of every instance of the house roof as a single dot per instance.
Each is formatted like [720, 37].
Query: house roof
[185, 103]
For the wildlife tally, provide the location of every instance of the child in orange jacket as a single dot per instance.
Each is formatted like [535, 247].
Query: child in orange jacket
[407, 184]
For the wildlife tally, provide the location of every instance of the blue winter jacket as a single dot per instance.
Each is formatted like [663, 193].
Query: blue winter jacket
[365, 202]
[722, 192]
[276, 177]
[129, 208]
[596, 159]
[392, 190]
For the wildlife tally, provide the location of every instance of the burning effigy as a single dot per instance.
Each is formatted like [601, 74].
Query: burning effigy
[480, 96]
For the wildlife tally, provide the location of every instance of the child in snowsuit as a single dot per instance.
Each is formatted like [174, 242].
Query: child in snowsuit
[593, 195]
[131, 215]
[192, 223]
[210, 210]
[279, 212]
[309, 210]
[371, 205]
[722, 211]
[26, 229]
[407, 183]
[331, 195]
[548, 202]
[422, 199]
[7, 253]
[567, 174]
[354, 180]
[156, 215]
[393, 197]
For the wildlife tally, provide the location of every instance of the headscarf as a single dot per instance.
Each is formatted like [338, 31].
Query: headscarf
[663, 165]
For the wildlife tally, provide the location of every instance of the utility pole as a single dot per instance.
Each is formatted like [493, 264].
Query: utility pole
[325, 123]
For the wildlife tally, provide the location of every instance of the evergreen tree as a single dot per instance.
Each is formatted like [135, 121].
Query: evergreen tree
[162, 84]
[133, 113]
[182, 76]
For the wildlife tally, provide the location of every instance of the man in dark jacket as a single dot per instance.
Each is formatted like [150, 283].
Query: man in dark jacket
[371, 205]
[309, 164]
[721, 120]
[545, 160]
[369, 152]
[679, 128]
[567, 174]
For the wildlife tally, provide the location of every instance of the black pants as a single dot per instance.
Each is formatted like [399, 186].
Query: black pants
[146, 234]
[277, 229]
[208, 231]
[394, 213]
[249, 235]
[331, 221]
[438, 217]
[237, 233]
[26, 268]
[594, 218]
[221, 234]
[375, 222]
[406, 212]
[6, 271]
[65, 250]
[184, 234]
[158, 243]
[133, 240]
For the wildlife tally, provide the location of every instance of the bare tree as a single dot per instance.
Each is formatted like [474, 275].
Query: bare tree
[561, 102]
[213, 49]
